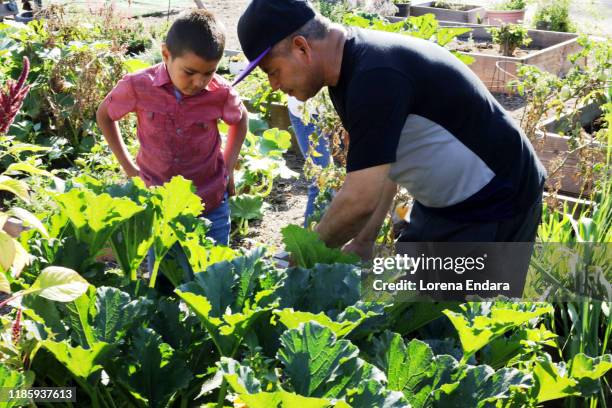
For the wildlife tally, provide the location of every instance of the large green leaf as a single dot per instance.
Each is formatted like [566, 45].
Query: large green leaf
[552, 381]
[153, 370]
[481, 386]
[226, 300]
[17, 187]
[14, 380]
[95, 217]
[583, 366]
[588, 370]
[292, 320]
[307, 249]
[312, 357]
[324, 288]
[79, 314]
[133, 238]
[112, 313]
[243, 381]
[174, 200]
[477, 326]
[59, 284]
[316, 364]
[282, 399]
[409, 369]
[79, 361]
[246, 207]
[8, 250]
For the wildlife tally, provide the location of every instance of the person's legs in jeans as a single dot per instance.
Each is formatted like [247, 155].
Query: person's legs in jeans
[302, 133]
[220, 222]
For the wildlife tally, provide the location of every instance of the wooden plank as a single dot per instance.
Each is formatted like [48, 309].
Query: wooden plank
[575, 206]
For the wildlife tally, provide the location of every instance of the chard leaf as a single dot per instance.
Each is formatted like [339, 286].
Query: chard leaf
[133, 238]
[112, 307]
[307, 249]
[154, 372]
[79, 315]
[95, 217]
[174, 200]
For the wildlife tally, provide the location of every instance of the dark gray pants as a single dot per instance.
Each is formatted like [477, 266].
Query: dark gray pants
[509, 244]
[425, 226]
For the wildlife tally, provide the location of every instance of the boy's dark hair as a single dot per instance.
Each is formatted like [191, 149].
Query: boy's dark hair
[197, 31]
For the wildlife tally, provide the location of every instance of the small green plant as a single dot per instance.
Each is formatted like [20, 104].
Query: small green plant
[510, 5]
[554, 16]
[509, 37]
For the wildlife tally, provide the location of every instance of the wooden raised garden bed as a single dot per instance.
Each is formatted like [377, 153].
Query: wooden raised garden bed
[556, 151]
[462, 13]
[548, 51]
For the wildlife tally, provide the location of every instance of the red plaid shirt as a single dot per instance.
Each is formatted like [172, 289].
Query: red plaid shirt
[178, 136]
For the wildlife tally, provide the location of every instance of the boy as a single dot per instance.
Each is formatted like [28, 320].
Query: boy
[178, 103]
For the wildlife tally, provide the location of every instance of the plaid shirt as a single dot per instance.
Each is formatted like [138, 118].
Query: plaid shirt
[178, 134]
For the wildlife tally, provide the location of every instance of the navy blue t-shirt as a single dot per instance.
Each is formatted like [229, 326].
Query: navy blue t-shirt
[412, 104]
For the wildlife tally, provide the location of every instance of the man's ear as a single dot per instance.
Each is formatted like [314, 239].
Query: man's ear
[301, 45]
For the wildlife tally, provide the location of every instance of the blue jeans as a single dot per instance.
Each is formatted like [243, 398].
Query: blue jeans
[302, 133]
[219, 231]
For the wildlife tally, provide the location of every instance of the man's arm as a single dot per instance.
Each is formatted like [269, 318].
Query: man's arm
[235, 137]
[354, 205]
[112, 134]
[363, 243]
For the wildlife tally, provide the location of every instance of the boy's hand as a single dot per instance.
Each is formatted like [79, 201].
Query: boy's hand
[231, 188]
[132, 170]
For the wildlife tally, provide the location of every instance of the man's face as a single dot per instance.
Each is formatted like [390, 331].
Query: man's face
[189, 73]
[292, 71]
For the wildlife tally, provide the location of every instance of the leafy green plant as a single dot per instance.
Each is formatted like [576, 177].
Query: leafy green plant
[509, 5]
[509, 37]
[554, 16]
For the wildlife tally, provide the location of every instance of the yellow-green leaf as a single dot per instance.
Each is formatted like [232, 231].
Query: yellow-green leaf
[17, 187]
[7, 250]
[29, 218]
[58, 284]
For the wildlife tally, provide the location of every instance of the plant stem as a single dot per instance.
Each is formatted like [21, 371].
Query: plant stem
[222, 394]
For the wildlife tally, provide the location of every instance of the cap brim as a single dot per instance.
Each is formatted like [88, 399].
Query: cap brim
[252, 65]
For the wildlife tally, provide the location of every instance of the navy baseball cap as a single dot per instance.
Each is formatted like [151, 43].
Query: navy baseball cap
[265, 23]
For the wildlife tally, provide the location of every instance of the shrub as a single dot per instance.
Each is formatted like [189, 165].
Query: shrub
[509, 37]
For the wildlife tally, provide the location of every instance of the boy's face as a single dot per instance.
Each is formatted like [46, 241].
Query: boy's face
[189, 73]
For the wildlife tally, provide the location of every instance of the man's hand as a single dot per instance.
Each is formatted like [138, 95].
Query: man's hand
[364, 249]
[353, 205]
